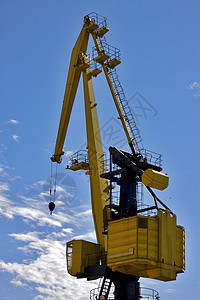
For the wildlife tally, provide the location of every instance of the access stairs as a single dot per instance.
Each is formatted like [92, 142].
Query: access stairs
[103, 291]
[105, 288]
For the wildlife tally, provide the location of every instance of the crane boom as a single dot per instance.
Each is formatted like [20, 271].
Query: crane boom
[73, 78]
[80, 63]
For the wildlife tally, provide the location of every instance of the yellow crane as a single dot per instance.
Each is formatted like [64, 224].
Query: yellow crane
[129, 244]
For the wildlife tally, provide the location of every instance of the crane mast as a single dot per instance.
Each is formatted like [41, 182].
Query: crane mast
[129, 244]
[99, 186]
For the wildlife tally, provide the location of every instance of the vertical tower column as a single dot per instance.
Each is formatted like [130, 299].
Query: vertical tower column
[127, 287]
[99, 186]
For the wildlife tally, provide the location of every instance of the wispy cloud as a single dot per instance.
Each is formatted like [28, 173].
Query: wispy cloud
[41, 265]
[170, 291]
[15, 138]
[90, 236]
[195, 86]
[17, 282]
[13, 121]
[33, 209]
[68, 153]
[47, 273]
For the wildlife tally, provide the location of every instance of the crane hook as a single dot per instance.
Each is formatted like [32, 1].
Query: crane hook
[51, 207]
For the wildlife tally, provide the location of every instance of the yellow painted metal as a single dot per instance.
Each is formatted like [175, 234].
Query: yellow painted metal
[81, 254]
[142, 246]
[91, 26]
[95, 72]
[79, 166]
[101, 58]
[98, 185]
[125, 125]
[102, 31]
[113, 63]
[83, 61]
[180, 249]
[155, 179]
[106, 217]
[150, 247]
[73, 78]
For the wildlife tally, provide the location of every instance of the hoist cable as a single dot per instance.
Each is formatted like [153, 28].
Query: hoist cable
[55, 182]
[50, 183]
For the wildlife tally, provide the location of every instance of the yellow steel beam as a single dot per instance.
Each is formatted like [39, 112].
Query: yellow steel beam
[98, 185]
[73, 78]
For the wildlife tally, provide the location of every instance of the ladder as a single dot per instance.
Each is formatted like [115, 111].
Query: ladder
[127, 110]
[113, 53]
[105, 288]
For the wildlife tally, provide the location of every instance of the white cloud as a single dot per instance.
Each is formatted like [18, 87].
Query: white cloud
[5, 201]
[68, 153]
[15, 178]
[68, 230]
[26, 237]
[195, 86]
[12, 121]
[170, 291]
[17, 282]
[34, 210]
[89, 236]
[4, 187]
[47, 273]
[15, 138]
[43, 249]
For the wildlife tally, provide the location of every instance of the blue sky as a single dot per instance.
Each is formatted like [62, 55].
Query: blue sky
[159, 43]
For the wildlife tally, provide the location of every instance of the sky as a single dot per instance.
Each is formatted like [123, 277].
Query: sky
[159, 44]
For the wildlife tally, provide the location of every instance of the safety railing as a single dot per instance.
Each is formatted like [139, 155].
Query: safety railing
[109, 50]
[143, 209]
[96, 18]
[152, 157]
[146, 210]
[149, 294]
[79, 156]
[145, 294]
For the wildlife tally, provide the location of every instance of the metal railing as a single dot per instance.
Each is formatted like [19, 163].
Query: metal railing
[109, 50]
[149, 294]
[152, 157]
[79, 156]
[128, 114]
[145, 294]
[147, 210]
[98, 19]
